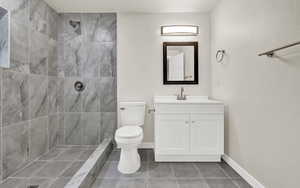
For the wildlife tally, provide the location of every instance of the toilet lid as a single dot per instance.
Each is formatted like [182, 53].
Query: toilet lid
[129, 131]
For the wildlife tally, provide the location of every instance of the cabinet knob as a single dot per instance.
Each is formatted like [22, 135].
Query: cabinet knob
[193, 121]
[186, 122]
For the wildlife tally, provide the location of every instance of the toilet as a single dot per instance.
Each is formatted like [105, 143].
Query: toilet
[130, 135]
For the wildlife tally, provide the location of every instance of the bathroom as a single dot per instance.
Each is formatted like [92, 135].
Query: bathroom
[90, 98]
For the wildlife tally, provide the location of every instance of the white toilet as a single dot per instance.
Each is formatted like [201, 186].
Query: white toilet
[130, 135]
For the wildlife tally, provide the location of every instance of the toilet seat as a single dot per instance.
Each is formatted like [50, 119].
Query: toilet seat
[129, 132]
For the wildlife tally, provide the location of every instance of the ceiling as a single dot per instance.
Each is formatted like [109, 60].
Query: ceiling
[146, 6]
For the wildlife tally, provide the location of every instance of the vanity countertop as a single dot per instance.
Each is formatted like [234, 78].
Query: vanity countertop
[189, 100]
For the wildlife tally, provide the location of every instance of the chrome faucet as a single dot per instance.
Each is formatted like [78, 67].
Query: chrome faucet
[181, 96]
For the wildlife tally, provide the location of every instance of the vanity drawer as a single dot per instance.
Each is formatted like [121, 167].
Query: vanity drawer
[189, 108]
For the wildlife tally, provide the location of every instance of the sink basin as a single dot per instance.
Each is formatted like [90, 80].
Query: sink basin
[189, 100]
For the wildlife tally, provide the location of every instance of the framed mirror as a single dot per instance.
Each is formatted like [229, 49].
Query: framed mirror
[4, 37]
[180, 63]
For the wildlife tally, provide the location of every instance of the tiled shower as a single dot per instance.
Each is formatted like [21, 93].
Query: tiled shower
[87, 51]
[40, 109]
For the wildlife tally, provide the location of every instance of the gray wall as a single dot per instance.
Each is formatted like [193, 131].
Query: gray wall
[87, 53]
[29, 101]
[261, 93]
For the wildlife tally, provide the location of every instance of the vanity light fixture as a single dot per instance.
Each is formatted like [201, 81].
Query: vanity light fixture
[179, 30]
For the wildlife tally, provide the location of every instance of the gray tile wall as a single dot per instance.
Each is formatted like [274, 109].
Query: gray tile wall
[88, 53]
[39, 106]
[29, 89]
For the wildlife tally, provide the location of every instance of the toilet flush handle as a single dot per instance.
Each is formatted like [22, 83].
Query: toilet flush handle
[122, 108]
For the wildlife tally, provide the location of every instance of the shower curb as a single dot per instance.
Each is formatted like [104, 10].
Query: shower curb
[87, 174]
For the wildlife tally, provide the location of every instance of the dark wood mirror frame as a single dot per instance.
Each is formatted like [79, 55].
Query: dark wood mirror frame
[165, 64]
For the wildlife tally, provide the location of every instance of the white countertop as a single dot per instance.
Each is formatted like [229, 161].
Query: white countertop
[189, 100]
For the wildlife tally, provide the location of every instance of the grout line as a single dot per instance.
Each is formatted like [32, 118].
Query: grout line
[51, 182]
[232, 180]
[224, 171]
[27, 165]
[65, 169]
[51, 161]
[30, 163]
[60, 152]
[46, 163]
[172, 170]
[201, 175]
[29, 36]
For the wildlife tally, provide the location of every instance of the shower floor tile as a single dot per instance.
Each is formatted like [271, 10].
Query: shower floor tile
[52, 170]
[168, 175]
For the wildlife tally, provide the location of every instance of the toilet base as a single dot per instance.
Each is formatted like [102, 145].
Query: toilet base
[130, 161]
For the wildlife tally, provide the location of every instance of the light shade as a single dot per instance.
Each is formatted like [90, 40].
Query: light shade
[179, 30]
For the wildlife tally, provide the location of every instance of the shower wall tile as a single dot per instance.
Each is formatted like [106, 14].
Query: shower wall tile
[91, 124]
[91, 57]
[19, 10]
[54, 130]
[72, 98]
[1, 155]
[108, 124]
[60, 94]
[61, 118]
[87, 53]
[52, 95]
[24, 94]
[38, 16]
[82, 128]
[73, 128]
[15, 145]
[52, 23]
[19, 58]
[38, 139]
[38, 57]
[71, 26]
[90, 24]
[0, 112]
[38, 86]
[108, 98]
[74, 57]
[61, 60]
[52, 58]
[55, 95]
[91, 96]
[0, 126]
[100, 27]
[15, 98]
[74, 52]
[107, 32]
[60, 46]
[108, 59]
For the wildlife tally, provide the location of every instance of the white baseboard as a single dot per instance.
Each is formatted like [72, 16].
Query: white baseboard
[147, 145]
[187, 158]
[242, 172]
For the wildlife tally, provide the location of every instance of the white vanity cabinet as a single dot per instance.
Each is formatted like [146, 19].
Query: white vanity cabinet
[189, 130]
[167, 139]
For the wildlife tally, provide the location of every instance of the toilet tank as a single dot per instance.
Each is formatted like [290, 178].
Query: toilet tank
[132, 113]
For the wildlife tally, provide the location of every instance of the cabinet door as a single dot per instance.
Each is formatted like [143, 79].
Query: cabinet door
[207, 134]
[172, 133]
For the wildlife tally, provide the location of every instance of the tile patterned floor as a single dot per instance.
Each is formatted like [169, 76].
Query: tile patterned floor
[52, 170]
[168, 175]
